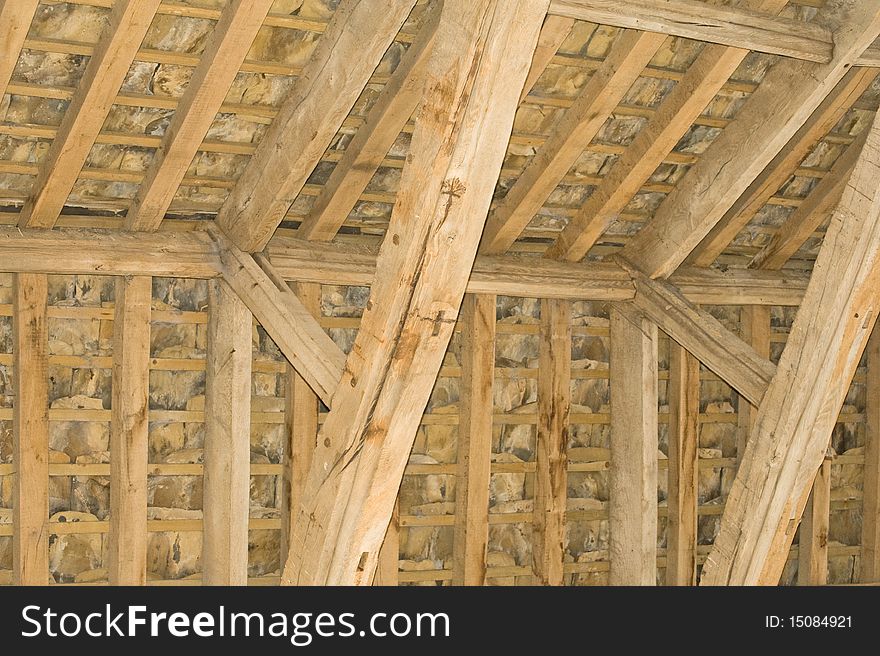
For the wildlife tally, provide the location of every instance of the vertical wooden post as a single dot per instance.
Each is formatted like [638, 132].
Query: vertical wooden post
[30, 431]
[129, 428]
[683, 394]
[755, 329]
[387, 572]
[302, 424]
[227, 438]
[471, 533]
[813, 546]
[870, 561]
[554, 408]
[633, 475]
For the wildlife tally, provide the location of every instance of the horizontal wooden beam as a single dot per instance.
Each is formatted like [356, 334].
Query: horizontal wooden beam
[729, 26]
[194, 255]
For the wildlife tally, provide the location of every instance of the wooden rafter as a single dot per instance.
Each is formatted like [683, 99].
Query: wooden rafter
[870, 557]
[711, 70]
[82, 122]
[194, 255]
[219, 64]
[800, 407]
[287, 321]
[730, 26]
[477, 70]
[783, 102]
[813, 541]
[553, 33]
[346, 55]
[810, 214]
[570, 135]
[15, 19]
[783, 166]
[370, 144]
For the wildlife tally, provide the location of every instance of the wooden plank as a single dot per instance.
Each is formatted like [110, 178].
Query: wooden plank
[735, 362]
[15, 19]
[30, 431]
[388, 570]
[472, 479]
[554, 409]
[870, 556]
[821, 122]
[730, 26]
[371, 143]
[800, 408]
[653, 143]
[302, 424]
[568, 138]
[88, 109]
[292, 327]
[813, 544]
[223, 56]
[348, 51]
[553, 33]
[683, 394]
[632, 503]
[811, 213]
[227, 439]
[755, 331]
[475, 75]
[783, 102]
[129, 428]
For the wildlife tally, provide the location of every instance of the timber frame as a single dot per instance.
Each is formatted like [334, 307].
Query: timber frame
[487, 201]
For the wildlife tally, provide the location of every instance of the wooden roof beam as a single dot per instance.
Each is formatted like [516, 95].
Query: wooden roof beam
[569, 137]
[702, 82]
[372, 141]
[784, 165]
[799, 410]
[722, 351]
[783, 102]
[476, 73]
[739, 27]
[223, 56]
[347, 53]
[84, 117]
[810, 214]
[15, 20]
[553, 33]
[288, 322]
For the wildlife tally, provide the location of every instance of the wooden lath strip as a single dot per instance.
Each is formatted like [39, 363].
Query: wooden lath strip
[570, 135]
[845, 94]
[475, 76]
[371, 143]
[784, 101]
[815, 209]
[678, 111]
[129, 428]
[15, 19]
[219, 64]
[30, 431]
[730, 26]
[346, 55]
[84, 117]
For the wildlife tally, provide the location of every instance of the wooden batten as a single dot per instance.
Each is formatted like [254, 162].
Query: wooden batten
[683, 395]
[227, 439]
[129, 428]
[30, 431]
[551, 461]
[633, 474]
[471, 533]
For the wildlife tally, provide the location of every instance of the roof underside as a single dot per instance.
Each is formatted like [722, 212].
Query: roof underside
[63, 35]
